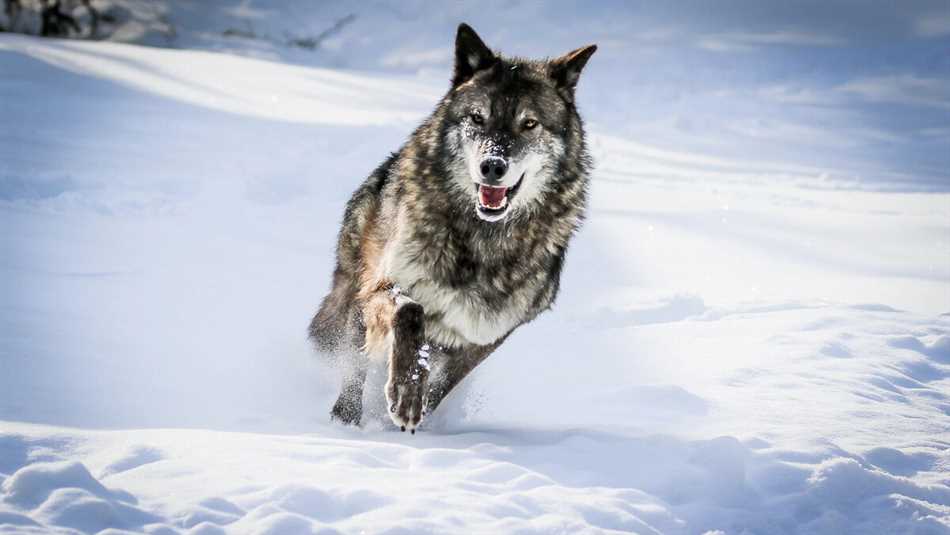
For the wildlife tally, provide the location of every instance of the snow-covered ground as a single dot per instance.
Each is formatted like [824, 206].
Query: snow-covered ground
[753, 344]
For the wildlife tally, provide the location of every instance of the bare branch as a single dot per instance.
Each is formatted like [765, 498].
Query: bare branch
[312, 43]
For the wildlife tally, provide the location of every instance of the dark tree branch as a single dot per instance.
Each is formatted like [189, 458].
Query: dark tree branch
[93, 18]
[312, 43]
[55, 23]
[11, 8]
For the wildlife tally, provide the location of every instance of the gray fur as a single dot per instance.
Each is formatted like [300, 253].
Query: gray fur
[422, 260]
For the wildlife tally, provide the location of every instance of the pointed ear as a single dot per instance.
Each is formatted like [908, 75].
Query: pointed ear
[471, 55]
[567, 69]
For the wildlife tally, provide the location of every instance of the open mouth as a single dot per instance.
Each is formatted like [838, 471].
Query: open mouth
[493, 202]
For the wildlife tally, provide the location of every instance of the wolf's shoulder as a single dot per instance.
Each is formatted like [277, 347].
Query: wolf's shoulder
[377, 180]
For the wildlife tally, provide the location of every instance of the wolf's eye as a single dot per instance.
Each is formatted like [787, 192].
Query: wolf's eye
[477, 118]
[529, 124]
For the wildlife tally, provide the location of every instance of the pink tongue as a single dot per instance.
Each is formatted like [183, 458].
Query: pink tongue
[492, 197]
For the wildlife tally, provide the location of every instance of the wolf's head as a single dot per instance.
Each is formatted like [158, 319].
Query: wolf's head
[509, 125]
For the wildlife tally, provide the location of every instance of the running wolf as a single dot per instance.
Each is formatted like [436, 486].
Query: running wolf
[459, 237]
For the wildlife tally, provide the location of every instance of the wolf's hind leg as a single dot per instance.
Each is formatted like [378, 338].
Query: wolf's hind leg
[349, 405]
[452, 367]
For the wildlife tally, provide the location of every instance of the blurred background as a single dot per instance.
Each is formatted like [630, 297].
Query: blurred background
[845, 94]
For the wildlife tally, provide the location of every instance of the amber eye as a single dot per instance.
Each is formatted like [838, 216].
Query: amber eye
[477, 118]
[529, 124]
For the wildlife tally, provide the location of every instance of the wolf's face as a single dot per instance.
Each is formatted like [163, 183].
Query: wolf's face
[507, 143]
[507, 124]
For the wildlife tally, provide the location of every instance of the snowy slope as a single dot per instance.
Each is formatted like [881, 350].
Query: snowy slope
[851, 94]
[736, 347]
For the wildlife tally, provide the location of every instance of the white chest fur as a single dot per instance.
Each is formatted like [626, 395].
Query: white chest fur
[460, 317]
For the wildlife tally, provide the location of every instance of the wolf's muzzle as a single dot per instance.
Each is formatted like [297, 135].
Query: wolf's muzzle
[493, 169]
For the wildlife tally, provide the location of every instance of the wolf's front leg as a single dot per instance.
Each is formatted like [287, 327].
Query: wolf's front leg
[395, 329]
[408, 367]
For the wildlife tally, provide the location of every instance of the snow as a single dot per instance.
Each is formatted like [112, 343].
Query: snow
[742, 345]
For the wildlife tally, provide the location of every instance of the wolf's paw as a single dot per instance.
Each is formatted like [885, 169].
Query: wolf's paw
[406, 402]
[347, 411]
[408, 369]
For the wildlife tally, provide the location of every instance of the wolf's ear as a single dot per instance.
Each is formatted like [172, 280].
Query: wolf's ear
[567, 69]
[471, 55]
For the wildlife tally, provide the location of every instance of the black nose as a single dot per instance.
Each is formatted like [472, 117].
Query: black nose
[493, 169]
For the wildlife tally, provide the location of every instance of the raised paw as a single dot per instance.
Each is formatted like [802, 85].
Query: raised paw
[406, 401]
[409, 368]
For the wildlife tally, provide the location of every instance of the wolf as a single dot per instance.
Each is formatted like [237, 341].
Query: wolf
[459, 237]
